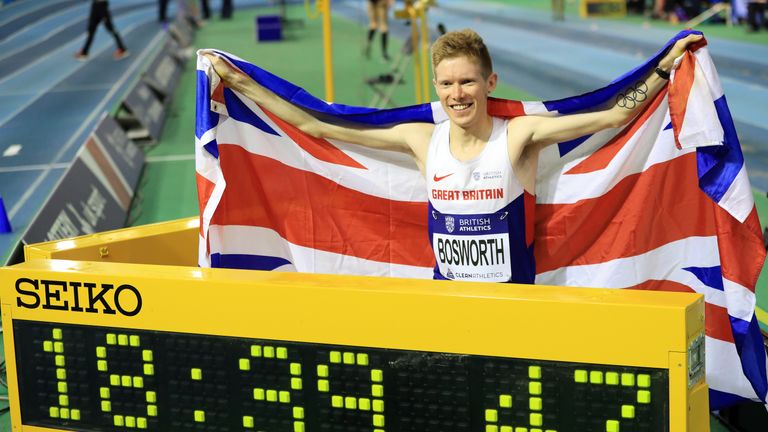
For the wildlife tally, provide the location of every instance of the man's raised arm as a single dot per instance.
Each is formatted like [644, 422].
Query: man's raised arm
[390, 138]
[544, 131]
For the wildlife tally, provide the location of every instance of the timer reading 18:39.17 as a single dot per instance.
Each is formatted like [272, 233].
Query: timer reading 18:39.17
[86, 378]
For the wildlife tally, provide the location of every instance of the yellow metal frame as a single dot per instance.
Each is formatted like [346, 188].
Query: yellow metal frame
[325, 9]
[167, 243]
[599, 326]
[416, 12]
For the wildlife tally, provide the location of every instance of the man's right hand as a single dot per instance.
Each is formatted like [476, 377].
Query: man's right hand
[223, 69]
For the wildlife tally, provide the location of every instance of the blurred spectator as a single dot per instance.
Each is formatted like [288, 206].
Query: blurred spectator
[378, 19]
[636, 6]
[739, 10]
[162, 11]
[676, 10]
[191, 9]
[756, 14]
[558, 10]
[226, 9]
[100, 13]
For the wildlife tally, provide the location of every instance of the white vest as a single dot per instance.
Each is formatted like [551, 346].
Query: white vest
[477, 221]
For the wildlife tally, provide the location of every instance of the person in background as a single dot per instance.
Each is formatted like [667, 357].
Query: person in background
[226, 9]
[206, 9]
[756, 15]
[162, 11]
[100, 13]
[378, 19]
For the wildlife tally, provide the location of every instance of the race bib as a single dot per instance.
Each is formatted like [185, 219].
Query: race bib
[472, 247]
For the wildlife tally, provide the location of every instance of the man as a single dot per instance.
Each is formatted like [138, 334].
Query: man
[756, 15]
[99, 13]
[480, 170]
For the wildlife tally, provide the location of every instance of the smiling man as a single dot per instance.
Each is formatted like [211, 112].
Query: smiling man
[480, 170]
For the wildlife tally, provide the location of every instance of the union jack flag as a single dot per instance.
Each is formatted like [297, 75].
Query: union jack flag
[663, 203]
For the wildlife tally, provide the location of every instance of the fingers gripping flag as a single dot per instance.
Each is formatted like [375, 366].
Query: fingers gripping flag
[663, 203]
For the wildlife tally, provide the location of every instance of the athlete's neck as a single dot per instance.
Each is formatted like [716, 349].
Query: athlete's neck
[467, 143]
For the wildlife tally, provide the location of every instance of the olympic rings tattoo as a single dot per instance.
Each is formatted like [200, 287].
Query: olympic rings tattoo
[633, 96]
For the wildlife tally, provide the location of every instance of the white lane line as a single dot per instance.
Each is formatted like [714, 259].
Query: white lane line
[170, 158]
[44, 91]
[23, 13]
[129, 73]
[32, 42]
[38, 167]
[12, 150]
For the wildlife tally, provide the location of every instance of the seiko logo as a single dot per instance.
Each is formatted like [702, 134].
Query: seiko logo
[78, 296]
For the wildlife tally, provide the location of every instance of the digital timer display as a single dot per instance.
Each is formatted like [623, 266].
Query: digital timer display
[94, 378]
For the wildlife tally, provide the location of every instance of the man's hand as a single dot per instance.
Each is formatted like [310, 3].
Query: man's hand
[223, 69]
[678, 49]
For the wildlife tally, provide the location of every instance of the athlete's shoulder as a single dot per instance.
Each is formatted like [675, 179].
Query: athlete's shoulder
[415, 133]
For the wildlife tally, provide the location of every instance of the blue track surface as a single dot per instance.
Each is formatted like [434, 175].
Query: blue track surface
[50, 101]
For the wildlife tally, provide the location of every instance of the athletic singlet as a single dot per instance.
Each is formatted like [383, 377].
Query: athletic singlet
[480, 217]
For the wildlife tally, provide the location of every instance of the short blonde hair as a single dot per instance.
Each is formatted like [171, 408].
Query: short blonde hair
[462, 43]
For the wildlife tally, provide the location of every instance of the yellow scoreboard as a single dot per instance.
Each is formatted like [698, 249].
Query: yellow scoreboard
[97, 346]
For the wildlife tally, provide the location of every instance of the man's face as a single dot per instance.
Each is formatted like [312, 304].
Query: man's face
[463, 91]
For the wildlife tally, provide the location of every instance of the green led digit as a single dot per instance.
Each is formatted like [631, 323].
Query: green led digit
[126, 381]
[273, 395]
[535, 406]
[62, 409]
[374, 404]
[624, 380]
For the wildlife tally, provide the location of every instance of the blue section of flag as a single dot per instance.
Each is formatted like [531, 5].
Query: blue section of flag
[240, 112]
[212, 148]
[718, 166]
[247, 262]
[709, 276]
[749, 344]
[206, 119]
[566, 147]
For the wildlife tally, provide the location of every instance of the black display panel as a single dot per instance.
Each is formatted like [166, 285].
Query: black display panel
[86, 378]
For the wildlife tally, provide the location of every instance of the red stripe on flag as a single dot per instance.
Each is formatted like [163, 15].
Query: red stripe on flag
[218, 93]
[317, 147]
[529, 203]
[717, 324]
[603, 156]
[505, 108]
[309, 210]
[679, 91]
[627, 220]
[742, 252]
[204, 191]
[662, 285]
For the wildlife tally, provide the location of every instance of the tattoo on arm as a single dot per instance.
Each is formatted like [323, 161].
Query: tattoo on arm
[632, 96]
